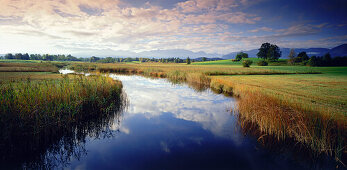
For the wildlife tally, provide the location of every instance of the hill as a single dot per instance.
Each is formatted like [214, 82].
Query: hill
[340, 50]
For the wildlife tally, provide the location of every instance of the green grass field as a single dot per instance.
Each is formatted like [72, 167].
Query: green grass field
[230, 62]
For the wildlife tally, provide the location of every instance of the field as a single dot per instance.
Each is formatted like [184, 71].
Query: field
[230, 62]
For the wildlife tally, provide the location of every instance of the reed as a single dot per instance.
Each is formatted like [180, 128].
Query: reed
[323, 133]
[278, 114]
[55, 101]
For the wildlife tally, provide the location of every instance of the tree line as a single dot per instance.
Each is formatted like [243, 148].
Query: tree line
[45, 57]
[139, 59]
[326, 60]
[62, 57]
[271, 53]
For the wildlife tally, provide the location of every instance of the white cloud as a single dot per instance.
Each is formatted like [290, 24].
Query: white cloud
[85, 22]
[209, 110]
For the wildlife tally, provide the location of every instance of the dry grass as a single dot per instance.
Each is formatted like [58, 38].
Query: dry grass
[29, 67]
[13, 76]
[148, 68]
[308, 93]
[283, 106]
[322, 133]
[62, 97]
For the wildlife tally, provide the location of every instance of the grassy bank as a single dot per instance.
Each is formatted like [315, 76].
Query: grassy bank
[58, 100]
[43, 112]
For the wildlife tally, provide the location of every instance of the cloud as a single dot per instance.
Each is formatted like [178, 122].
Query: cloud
[265, 29]
[112, 21]
[209, 110]
[300, 29]
[198, 25]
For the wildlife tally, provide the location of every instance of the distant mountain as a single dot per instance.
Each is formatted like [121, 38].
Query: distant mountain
[336, 51]
[251, 53]
[309, 51]
[103, 53]
[340, 50]
[175, 53]
[150, 54]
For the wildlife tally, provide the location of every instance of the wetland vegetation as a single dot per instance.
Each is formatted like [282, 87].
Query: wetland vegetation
[41, 111]
[300, 103]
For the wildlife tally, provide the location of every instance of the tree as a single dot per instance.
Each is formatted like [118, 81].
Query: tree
[9, 56]
[302, 57]
[26, 56]
[241, 55]
[313, 61]
[188, 60]
[18, 56]
[269, 52]
[203, 58]
[327, 59]
[94, 59]
[291, 56]
[48, 57]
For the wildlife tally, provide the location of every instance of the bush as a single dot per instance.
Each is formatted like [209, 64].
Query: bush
[234, 60]
[247, 63]
[262, 63]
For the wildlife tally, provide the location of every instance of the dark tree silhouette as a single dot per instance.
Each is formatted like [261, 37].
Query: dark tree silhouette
[269, 52]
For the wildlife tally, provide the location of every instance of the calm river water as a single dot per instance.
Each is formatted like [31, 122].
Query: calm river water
[170, 126]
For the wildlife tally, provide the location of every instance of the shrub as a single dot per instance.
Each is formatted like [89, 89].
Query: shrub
[262, 63]
[247, 63]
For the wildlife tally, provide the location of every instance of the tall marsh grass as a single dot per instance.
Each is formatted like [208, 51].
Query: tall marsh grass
[323, 133]
[54, 115]
[53, 101]
[39, 119]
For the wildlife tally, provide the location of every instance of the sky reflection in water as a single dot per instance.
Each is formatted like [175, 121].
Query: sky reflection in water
[170, 126]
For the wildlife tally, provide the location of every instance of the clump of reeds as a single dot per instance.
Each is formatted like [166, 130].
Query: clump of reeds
[322, 133]
[60, 100]
[53, 115]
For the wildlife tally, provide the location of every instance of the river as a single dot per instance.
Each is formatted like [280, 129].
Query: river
[173, 126]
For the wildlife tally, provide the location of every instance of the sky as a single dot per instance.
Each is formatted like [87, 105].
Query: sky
[211, 26]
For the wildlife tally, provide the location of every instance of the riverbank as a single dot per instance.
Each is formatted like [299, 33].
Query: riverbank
[304, 103]
[40, 108]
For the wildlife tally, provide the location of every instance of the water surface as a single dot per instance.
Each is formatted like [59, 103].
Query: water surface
[166, 126]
